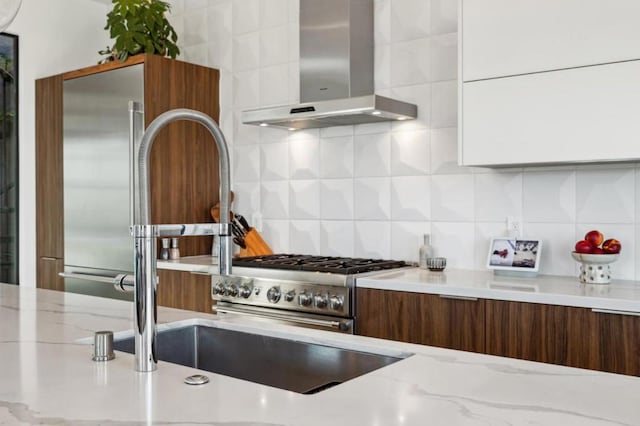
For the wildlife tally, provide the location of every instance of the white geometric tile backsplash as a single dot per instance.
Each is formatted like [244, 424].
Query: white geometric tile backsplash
[304, 199]
[410, 19]
[373, 190]
[372, 198]
[372, 155]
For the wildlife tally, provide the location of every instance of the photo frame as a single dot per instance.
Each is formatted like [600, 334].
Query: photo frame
[514, 256]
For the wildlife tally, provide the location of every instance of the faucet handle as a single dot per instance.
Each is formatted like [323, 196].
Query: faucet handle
[180, 230]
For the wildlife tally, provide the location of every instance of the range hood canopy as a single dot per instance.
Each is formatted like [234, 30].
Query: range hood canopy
[336, 72]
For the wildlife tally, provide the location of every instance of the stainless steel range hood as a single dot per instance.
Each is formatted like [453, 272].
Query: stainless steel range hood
[336, 72]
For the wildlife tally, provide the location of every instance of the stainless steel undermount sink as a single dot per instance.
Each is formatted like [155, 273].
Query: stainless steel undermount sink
[297, 366]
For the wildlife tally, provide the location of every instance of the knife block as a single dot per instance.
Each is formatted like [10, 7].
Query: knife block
[256, 246]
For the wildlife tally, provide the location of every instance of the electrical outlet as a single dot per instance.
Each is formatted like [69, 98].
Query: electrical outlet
[514, 226]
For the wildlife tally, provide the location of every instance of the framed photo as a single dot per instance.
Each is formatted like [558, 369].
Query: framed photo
[515, 255]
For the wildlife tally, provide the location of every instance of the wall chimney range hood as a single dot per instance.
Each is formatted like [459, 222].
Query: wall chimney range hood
[336, 72]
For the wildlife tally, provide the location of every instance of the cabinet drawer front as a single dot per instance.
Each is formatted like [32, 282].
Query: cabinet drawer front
[509, 37]
[421, 318]
[583, 114]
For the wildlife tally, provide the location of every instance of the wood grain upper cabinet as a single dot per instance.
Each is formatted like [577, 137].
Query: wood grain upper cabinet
[49, 168]
[575, 337]
[421, 318]
[511, 37]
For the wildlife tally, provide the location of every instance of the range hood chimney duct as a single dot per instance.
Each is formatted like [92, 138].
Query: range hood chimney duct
[336, 72]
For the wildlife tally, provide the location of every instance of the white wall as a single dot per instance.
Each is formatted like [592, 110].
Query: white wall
[54, 36]
[372, 190]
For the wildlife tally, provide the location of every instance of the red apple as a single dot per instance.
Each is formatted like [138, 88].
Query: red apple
[596, 250]
[595, 238]
[611, 246]
[584, 247]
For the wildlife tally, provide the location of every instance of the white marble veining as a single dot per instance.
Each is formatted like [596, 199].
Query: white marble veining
[47, 377]
[567, 291]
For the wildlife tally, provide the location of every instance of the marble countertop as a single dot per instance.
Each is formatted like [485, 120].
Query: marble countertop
[202, 264]
[567, 291]
[47, 377]
[557, 290]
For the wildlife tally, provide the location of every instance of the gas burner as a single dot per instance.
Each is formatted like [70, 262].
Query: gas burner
[336, 265]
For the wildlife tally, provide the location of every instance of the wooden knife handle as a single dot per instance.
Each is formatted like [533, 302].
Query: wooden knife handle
[215, 210]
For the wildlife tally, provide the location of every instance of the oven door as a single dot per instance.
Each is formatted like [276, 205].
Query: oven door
[302, 319]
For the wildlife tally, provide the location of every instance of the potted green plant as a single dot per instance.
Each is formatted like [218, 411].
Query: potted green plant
[140, 26]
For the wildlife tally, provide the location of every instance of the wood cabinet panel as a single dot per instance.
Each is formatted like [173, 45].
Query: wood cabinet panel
[619, 342]
[183, 290]
[49, 207]
[184, 171]
[575, 337]
[421, 318]
[47, 273]
[538, 332]
[184, 160]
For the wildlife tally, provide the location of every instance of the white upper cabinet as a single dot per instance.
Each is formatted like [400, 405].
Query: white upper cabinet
[549, 82]
[589, 114]
[510, 37]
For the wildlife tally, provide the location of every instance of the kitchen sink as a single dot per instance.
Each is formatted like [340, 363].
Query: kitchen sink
[297, 366]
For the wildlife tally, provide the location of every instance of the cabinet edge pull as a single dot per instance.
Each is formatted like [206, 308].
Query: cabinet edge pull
[615, 312]
[448, 296]
[48, 258]
[200, 273]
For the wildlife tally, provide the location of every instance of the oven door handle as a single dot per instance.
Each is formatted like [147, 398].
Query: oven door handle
[283, 317]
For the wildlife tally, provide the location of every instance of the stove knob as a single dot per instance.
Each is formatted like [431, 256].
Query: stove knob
[305, 299]
[290, 295]
[336, 303]
[321, 300]
[245, 291]
[218, 289]
[231, 290]
[273, 294]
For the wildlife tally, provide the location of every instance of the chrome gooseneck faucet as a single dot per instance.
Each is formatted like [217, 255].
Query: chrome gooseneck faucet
[145, 234]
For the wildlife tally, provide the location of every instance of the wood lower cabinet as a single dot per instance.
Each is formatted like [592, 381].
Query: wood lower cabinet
[184, 290]
[576, 337]
[563, 335]
[421, 318]
[48, 270]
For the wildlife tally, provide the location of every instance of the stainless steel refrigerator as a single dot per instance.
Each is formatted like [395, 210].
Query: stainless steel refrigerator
[101, 133]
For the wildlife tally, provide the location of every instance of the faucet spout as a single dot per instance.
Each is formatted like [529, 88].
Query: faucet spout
[145, 268]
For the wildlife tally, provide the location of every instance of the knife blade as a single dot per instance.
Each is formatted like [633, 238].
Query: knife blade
[243, 222]
[240, 241]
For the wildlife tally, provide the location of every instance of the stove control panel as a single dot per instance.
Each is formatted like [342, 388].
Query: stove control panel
[281, 294]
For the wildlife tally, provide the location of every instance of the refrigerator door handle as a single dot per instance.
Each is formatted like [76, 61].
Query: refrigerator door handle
[122, 282]
[136, 129]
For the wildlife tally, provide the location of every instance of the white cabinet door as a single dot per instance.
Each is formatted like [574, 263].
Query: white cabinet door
[511, 37]
[581, 114]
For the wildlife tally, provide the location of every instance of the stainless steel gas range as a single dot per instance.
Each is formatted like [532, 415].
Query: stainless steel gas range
[310, 291]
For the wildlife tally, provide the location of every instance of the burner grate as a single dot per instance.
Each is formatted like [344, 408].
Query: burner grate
[336, 265]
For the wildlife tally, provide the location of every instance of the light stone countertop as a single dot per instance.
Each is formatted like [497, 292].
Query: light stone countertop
[619, 295]
[47, 377]
[557, 290]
